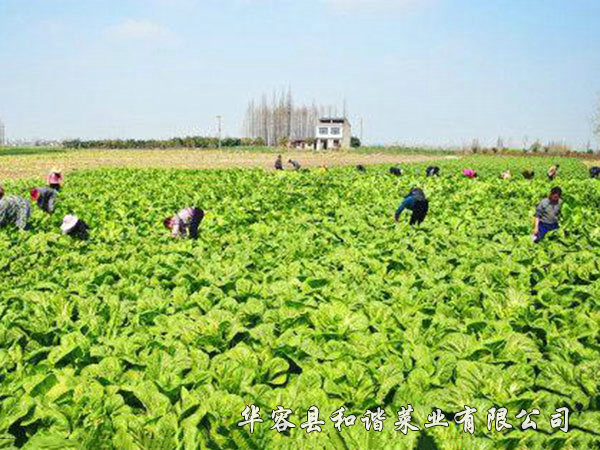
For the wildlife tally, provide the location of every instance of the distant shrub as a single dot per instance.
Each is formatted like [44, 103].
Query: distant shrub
[185, 142]
[231, 142]
[535, 147]
[355, 142]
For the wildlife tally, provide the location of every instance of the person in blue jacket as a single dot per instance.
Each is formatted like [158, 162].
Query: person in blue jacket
[416, 202]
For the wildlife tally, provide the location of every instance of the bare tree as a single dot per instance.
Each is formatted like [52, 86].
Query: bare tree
[500, 144]
[2, 134]
[282, 119]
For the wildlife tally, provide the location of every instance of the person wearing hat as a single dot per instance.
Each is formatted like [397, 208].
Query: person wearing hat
[185, 223]
[552, 172]
[55, 179]
[417, 203]
[15, 210]
[397, 171]
[595, 172]
[75, 227]
[45, 197]
[505, 175]
[528, 174]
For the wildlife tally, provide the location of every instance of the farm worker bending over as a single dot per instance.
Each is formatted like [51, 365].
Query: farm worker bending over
[14, 210]
[552, 172]
[547, 214]
[45, 197]
[396, 171]
[470, 173]
[432, 171]
[55, 179]
[185, 222]
[595, 172]
[506, 175]
[417, 203]
[528, 174]
[295, 164]
[278, 163]
[74, 227]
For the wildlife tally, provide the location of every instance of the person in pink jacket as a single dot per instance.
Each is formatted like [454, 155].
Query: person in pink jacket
[55, 179]
[470, 173]
[185, 223]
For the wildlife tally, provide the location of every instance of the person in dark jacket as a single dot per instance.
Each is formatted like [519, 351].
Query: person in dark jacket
[74, 227]
[361, 168]
[417, 203]
[14, 210]
[278, 163]
[547, 214]
[595, 172]
[432, 171]
[396, 171]
[553, 172]
[528, 174]
[44, 197]
[296, 165]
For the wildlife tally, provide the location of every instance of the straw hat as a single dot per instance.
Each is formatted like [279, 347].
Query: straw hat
[56, 170]
[69, 222]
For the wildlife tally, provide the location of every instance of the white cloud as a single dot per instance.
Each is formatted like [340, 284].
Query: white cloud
[142, 30]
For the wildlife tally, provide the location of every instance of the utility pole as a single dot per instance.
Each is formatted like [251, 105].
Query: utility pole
[2, 131]
[361, 130]
[219, 119]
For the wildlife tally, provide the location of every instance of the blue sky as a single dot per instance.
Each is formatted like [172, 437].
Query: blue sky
[417, 71]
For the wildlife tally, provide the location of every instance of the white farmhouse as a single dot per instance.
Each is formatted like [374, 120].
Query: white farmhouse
[333, 133]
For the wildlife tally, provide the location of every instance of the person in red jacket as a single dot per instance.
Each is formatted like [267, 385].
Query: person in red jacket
[44, 197]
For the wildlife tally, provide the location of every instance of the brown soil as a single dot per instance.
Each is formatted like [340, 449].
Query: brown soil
[32, 166]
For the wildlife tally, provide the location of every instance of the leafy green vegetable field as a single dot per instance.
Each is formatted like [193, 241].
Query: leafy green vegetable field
[302, 291]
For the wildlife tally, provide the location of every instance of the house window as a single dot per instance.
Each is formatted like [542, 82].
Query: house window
[335, 131]
[323, 130]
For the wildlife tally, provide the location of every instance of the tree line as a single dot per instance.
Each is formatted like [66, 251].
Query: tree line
[185, 142]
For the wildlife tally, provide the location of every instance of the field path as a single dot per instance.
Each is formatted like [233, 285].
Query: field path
[32, 166]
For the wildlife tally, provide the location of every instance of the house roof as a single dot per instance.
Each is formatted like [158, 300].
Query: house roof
[332, 120]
